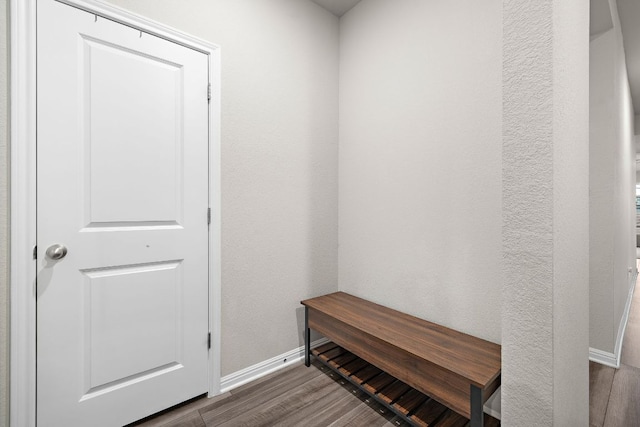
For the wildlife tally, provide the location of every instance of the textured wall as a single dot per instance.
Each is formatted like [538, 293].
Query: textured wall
[545, 213]
[420, 159]
[528, 213]
[612, 187]
[4, 216]
[279, 162]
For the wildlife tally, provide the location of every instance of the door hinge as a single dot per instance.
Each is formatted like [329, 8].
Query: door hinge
[35, 252]
[209, 340]
[208, 216]
[208, 92]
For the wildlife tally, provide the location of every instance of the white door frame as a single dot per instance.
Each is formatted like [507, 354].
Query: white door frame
[23, 194]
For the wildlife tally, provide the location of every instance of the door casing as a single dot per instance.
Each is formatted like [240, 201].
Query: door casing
[23, 212]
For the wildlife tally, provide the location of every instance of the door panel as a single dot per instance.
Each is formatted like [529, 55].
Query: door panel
[137, 335]
[122, 183]
[119, 84]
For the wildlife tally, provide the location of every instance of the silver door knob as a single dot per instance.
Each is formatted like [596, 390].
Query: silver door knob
[56, 252]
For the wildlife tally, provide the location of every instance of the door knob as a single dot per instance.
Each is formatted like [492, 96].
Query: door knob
[56, 251]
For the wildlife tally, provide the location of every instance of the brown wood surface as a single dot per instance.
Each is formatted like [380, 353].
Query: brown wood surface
[324, 348]
[470, 357]
[448, 388]
[393, 391]
[489, 421]
[491, 388]
[377, 383]
[366, 374]
[343, 359]
[438, 361]
[353, 367]
[428, 412]
[451, 419]
[409, 401]
[332, 354]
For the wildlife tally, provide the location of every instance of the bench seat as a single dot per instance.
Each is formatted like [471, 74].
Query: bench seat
[456, 369]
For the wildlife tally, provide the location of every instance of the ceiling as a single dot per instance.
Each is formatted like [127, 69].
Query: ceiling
[337, 7]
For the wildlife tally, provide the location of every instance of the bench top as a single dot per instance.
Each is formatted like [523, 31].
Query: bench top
[473, 358]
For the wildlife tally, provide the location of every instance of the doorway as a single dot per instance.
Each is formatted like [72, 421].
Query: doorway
[117, 329]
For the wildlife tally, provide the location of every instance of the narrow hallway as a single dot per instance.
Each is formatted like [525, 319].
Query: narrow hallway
[613, 393]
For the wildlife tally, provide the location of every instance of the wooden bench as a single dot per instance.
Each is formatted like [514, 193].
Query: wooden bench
[458, 370]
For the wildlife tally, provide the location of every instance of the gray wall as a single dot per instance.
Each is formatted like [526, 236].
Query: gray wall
[612, 187]
[420, 159]
[450, 212]
[4, 216]
[279, 162]
[423, 127]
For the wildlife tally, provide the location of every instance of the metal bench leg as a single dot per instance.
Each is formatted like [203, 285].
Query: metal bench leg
[307, 339]
[477, 410]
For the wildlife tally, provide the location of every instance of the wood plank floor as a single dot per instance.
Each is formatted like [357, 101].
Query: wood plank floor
[294, 396]
[614, 394]
[318, 397]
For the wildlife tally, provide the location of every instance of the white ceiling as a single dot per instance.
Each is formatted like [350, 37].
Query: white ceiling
[629, 11]
[337, 7]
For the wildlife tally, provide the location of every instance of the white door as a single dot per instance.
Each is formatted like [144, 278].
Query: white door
[122, 141]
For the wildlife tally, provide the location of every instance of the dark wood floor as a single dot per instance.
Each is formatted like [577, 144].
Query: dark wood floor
[614, 394]
[316, 396]
[294, 396]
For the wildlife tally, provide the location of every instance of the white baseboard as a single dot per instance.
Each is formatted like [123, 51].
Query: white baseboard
[625, 316]
[604, 357]
[246, 375]
[613, 359]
